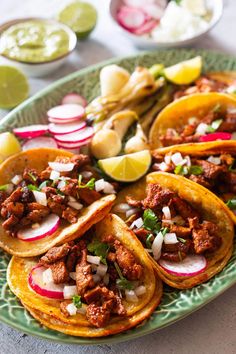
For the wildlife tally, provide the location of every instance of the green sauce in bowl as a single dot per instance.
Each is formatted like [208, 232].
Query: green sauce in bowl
[35, 41]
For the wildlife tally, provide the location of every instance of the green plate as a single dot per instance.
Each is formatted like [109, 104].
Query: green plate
[175, 304]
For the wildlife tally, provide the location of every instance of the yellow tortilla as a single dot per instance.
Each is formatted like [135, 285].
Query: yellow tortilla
[38, 159]
[177, 113]
[19, 269]
[212, 209]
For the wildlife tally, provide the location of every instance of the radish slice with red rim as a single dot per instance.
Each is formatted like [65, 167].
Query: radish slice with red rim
[74, 145]
[66, 112]
[147, 27]
[62, 121]
[130, 18]
[189, 266]
[75, 137]
[215, 136]
[74, 98]
[31, 131]
[50, 290]
[47, 227]
[58, 129]
[42, 141]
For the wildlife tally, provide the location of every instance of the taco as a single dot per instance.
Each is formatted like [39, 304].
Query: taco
[185, 228]
[201, 117]
[97, 285]
[210, 164]
[48, 196]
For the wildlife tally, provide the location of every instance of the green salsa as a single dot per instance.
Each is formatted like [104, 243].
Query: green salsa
[34, 41]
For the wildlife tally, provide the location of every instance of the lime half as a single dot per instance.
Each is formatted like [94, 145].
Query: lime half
[14, 87]
[80, 16]
[185, 72]
[127, 168]
[9, 145]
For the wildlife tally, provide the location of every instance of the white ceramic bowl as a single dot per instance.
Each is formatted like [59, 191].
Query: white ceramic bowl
[39, 69]
[215, 6]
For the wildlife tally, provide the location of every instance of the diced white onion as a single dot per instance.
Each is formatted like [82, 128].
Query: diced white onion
[47, 276]
[61, 184]
[82, 310]
[177, 159]
[131, 212]
[233, 136]
[166, 212]
[149, 250]
[188, 161]
[214, 160]
[75, 205]
[96, 278]
[192, 120]
[131, 296]
[106, 279]
[54, 175]
[69, 291]
[40, 197]
[61, 167]
[72, 275]
[157, 245]
[170, 238]
[93, 259]
[99, 185]
[101, 269]
[86, 174]
[35, 226]
[140, 290]
[137, 223]
[167, 159]
[163, 166]
[121, 208]
[16, 179]
[202, 128]
[108, 188]
[72, 309]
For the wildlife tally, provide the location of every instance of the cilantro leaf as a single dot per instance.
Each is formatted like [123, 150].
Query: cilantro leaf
[32, 176]
[43, 184]
[164, 231]
[31, 187]
[195, 170]
[149, 240]
[150, 221]
[231, 203]
[181, 239]
[77, 301]
[4, 187]
[178, 2]
[90, 184]
[100, 249]
[214, 126]
[122, 283]
[181, 170]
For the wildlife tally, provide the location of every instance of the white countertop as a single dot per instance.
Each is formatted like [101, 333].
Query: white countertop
[210, 330]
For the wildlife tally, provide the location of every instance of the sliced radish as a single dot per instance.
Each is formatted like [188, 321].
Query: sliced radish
[75, 137]
[191, 265]
[153, 10]
[147, 27]
[73, 145]
[42, 141]
[131, 18]
[66, 112]
[50, 290]
[58, 129]
[46, 228]
[215, 136]
[62, 121]
[74, 98]
[31, 131]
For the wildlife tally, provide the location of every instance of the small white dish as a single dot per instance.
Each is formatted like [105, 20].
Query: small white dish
[42, 68]
[215, 6]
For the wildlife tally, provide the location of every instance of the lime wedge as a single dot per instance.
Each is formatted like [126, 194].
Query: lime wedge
[185, 72]
[9, 145]
[80, 16]
[127, 168]
[14, 87]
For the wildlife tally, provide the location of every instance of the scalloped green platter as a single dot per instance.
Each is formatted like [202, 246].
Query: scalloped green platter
[175, 304]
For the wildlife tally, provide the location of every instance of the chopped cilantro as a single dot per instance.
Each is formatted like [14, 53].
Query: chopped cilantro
[77, 301]
[31, 187]
[181, 170]
[164, 231]
[4, 187]
[149, 240]
[214, 126]
[100, 249]
[178, 2]
[32, 176]
[150, 221]
[122, 283]
[90, 184]
[181, 239]
[231, 203]
[195, 170]
[43, 185]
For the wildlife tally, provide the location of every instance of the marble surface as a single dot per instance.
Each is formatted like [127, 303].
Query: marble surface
[210, 330]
